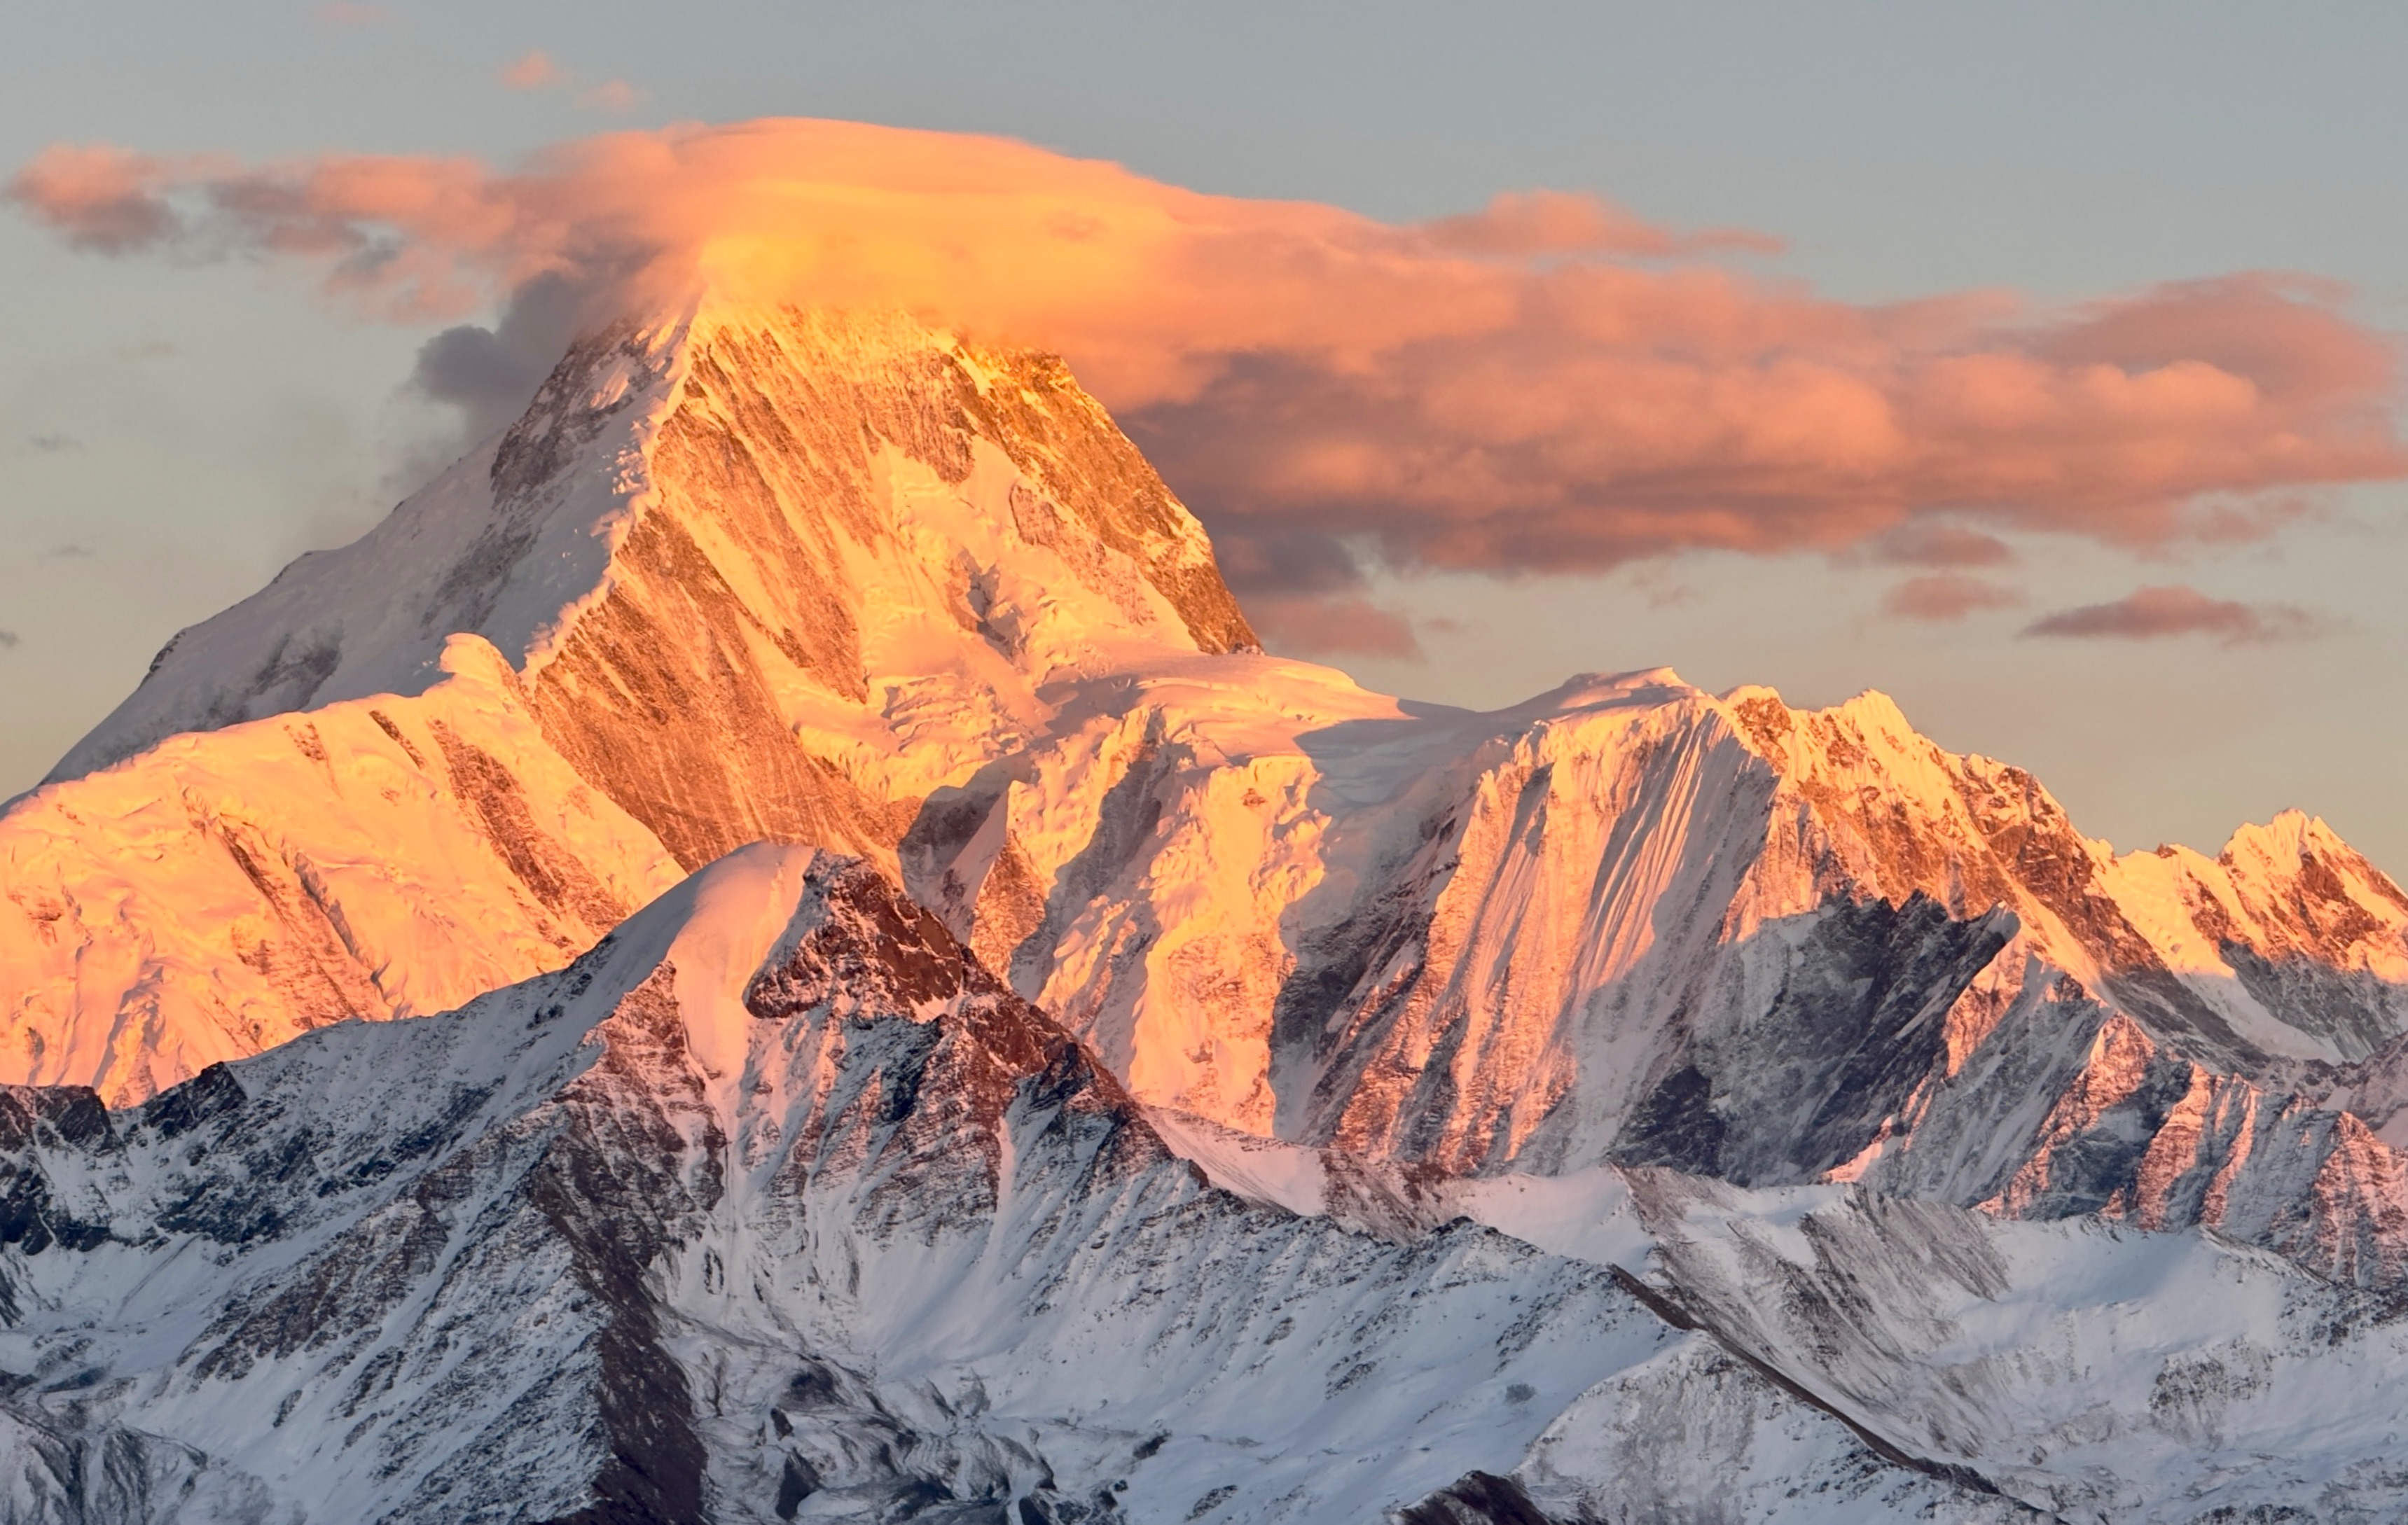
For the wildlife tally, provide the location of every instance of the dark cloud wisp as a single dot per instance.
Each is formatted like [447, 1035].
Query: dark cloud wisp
[2159, 612]
[1944, 596]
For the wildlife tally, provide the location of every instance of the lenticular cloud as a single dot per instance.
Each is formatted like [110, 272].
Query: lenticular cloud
[1549, 382]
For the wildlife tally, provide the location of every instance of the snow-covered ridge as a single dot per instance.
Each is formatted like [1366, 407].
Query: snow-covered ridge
[511, 543]
[2085, 1369]
[775, 1205]
[1633, 921]
[227, 891]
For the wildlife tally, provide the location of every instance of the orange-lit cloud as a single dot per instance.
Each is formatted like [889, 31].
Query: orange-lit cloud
[533, 70]
[1546, 383]
[2151, 613]
[1943, 596]
[101, 198]
[1533, 222]
[538, 70]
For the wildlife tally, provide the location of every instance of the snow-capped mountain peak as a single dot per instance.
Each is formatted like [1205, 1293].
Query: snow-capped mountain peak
[849, 509]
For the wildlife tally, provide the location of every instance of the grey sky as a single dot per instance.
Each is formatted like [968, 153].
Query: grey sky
[194, 426]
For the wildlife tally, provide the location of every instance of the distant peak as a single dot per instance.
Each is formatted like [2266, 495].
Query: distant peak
[2284, 840]
[1867, 706]
[1774, 725]
[1747, 693]
[1875, 709]
[1654, 683]
[1647, 687]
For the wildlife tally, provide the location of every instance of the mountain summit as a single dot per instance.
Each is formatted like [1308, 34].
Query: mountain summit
[804, 535]
[733, 575]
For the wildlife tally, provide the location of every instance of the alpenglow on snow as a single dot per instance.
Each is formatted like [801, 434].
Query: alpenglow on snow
[770, 947]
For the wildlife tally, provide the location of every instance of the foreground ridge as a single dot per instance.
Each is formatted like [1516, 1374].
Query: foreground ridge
[774, 1205]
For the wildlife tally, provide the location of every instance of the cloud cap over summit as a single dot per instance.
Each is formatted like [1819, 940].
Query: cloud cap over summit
[1547, 383]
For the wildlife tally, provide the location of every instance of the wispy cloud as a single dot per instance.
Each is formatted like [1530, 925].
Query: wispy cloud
[52, 443]
[533, 70]
[2155, 613]
[7, 638]
[1663, 585]
[538, 70]
[1517, 223]
[1937, 543]
[1547, 383]
[1945, 596]
[148, 349]
[71, 551]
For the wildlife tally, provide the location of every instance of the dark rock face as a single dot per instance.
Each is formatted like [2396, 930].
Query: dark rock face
[658, 701]
[1481, 1498]
[36, 1121]
[555, 876]
[1796, 1083]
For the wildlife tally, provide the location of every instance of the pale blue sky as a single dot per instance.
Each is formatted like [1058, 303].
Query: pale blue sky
[170, 434]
